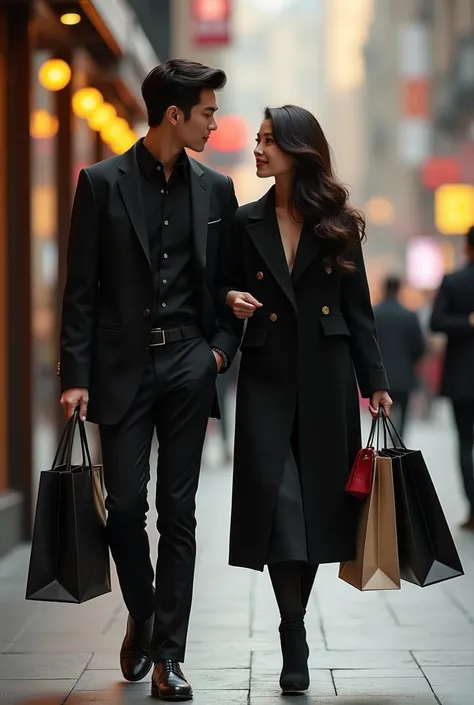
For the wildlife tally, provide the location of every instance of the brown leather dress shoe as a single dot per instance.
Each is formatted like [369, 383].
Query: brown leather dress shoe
[169, 683]
[135, 660]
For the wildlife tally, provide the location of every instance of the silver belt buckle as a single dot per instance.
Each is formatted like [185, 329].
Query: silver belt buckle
[163, 339]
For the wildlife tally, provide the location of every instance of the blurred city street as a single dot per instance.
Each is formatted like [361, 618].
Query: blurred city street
[384, 648]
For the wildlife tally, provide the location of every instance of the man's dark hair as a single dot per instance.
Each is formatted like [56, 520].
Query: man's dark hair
[178, 82]
[392, 285]
[470, 237]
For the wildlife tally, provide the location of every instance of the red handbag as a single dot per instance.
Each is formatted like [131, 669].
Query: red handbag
[359, 482]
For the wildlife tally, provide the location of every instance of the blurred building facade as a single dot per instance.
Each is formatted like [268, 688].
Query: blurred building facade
[70, 76]
[419, 125]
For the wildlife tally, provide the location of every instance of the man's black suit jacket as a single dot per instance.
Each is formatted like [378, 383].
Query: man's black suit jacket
[453, 305]
[109, 293]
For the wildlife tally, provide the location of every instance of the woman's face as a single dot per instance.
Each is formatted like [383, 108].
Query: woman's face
[271, 160]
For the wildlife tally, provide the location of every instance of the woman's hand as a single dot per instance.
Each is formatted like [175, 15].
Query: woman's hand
[380, 398]
[242, 303]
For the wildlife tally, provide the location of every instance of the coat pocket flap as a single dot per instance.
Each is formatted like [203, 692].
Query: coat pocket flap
[334, 325]
[254, 338]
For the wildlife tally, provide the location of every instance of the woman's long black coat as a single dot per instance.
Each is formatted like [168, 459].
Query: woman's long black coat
[301, 347]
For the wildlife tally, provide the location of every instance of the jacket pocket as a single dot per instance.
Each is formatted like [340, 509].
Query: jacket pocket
[214, 221]
[334, 325]
[254, 338]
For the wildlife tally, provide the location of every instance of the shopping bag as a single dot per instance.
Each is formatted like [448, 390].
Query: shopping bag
[359, 482]
[69, 559]
[375, 566]
[427, 551]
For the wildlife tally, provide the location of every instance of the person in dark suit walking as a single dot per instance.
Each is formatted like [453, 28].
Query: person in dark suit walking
[144, 334]
[453, 314]
[299, 280]
[402, 345]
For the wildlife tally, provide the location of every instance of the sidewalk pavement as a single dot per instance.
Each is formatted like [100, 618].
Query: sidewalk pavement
[409, 647]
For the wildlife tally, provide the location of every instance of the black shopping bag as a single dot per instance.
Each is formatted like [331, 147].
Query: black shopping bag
[69, 559]
[427, 552]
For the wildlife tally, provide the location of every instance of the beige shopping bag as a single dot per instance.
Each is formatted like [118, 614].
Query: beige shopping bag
[376, 565]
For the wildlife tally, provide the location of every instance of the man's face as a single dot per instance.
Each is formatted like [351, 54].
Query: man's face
[195, 132]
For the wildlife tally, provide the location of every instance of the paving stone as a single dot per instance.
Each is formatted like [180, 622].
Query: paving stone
[264, 662]
[42, 666]
[133, 696]
[457, 680]
[313, 698]
[34, 692]
[444, 658]
[399, 687]
[200, 679]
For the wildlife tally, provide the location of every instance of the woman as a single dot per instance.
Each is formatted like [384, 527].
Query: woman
[300, 282]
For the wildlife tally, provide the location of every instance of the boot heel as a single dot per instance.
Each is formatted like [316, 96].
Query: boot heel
[294, 676]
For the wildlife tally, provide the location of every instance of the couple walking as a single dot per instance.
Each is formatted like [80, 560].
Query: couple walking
[163, 268]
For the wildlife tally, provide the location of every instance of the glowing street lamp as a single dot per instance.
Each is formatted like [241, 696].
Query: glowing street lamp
[85, 101]
[104, 115]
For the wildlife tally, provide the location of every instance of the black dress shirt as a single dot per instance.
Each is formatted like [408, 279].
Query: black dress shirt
[168, 217]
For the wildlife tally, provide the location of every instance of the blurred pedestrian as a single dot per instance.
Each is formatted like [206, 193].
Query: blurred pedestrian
[300, 280]
[144, 335]
[453, 314]
[402, 345]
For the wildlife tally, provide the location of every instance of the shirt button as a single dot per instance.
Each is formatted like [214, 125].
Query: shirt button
[158, 168]
[165, 256]
[259, 275]
[165, 281]
[167, 222]
[162, 190]
[273, 317]
[146, 313]
[325, 310]
[163, 305]
[328, 270]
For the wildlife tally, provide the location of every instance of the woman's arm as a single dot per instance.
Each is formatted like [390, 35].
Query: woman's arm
[359, 316]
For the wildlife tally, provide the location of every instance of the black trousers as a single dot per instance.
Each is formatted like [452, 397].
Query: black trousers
[174, 400]
[464, 417]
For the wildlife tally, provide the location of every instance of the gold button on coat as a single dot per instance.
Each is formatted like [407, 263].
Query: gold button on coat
[325, 310]
[259, 275]
[273, 317]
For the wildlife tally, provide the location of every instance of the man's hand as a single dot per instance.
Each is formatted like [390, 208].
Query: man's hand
[219, 360]
[242, 303]
[71, 398]
[380, 398]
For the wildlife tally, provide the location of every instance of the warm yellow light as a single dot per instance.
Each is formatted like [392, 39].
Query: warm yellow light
[103, 116]
[115, 131]
[86, 101]
[43, 125]
[54, 74]
[71, 18]
[454, 208]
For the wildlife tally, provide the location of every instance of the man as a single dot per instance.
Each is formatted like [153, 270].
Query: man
[402, 345]
[144, 334]
[453, 314]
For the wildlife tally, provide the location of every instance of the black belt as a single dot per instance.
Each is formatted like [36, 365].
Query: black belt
[160, 336]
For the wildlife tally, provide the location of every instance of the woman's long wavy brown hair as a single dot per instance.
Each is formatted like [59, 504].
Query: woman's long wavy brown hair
[318, 195]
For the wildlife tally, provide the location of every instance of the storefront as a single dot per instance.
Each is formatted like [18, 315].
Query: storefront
[70, 76]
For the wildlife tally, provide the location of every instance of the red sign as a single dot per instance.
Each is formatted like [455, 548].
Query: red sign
[439, 170]
[211, 22]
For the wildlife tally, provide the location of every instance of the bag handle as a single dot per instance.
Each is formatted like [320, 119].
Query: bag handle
[376, 427]
[390, 427]
[66, 444]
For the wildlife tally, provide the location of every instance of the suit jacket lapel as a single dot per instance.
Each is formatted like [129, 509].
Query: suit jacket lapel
[264, 232]
[308, 250]
[129, 186]
[200, 196]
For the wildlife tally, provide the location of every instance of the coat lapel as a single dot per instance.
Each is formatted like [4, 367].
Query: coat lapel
[264, 232]
[200, 196]
[129, 186]
[308, 250]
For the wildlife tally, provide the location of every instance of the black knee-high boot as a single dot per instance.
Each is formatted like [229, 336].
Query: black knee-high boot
[286, 580]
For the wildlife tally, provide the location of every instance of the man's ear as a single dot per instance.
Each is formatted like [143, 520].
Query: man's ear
[173, 114]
